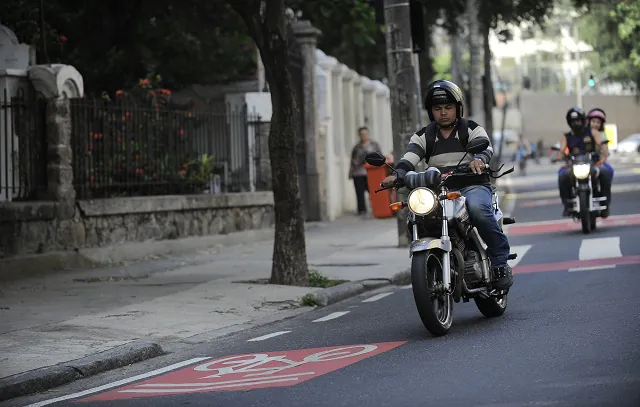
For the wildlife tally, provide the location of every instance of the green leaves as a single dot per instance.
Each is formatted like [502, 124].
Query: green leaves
[614, 33]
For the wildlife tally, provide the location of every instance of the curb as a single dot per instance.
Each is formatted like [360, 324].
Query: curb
[34, 381]
[39, 380]
[332, 295]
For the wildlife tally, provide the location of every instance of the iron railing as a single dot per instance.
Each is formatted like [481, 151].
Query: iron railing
[23, 147]
[122, 149]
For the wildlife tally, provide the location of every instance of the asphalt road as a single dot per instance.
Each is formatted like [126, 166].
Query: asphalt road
[570, 336]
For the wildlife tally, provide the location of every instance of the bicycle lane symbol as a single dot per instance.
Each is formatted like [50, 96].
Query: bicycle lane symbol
[249, 371]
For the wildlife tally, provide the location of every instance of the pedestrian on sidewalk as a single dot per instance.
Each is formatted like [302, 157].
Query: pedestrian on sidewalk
[357, 171]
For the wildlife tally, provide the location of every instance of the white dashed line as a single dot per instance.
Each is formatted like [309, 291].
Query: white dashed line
[406, 287]
[377, 297]
[331, 316]
[271, 335]
[587, 268]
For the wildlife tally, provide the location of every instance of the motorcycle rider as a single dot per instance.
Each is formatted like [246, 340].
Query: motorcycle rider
[443, 148]
[580, 140]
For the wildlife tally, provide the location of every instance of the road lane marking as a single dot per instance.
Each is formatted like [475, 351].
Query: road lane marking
[553, 193]
[120, 382]
[271, 335]
[540, 202]
[406, 287]
[605, 267]
[600, 248]
[574, 264]
[568, 225]
[377, 297]
[331, 316]
[520, 251]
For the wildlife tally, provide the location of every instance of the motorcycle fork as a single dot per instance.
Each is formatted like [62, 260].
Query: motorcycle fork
[446, 260]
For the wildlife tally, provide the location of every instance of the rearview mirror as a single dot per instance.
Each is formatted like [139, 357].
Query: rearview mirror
[376, 159]
[478, 145]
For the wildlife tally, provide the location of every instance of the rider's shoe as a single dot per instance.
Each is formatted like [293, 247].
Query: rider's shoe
[604, 213]
[503, 277]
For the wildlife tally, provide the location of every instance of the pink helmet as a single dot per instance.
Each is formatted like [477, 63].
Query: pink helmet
[599, 114]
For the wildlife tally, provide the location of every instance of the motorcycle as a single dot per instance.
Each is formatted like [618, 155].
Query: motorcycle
[449, 261]
[585, 206]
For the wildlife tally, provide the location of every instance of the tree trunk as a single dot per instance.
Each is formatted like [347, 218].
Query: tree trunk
[475, 50]
[425, 58]
[269, 31]
[456, 60]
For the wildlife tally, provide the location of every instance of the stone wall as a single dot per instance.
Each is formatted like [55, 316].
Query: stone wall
[40, 227]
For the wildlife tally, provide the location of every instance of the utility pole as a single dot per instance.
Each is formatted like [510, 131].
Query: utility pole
[402, 84]
[576, 41]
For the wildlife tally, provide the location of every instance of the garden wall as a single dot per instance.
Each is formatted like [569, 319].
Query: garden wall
[41, 227]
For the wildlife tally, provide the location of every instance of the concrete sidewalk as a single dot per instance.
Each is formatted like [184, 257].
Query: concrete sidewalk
[138, 311]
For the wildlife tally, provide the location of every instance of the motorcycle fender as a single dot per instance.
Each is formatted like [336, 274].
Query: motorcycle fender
[429, 243]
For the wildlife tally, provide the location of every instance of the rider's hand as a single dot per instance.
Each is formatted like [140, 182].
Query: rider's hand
[477, 166]
[387, 182]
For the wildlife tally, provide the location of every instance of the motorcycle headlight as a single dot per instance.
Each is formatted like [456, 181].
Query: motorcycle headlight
[581, 171]
[422, 201]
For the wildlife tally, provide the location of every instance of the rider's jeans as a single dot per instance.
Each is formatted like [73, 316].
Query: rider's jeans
[480, 207]
[565, 182]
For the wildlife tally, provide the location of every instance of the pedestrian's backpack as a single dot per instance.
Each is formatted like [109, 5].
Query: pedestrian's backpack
[430, 135]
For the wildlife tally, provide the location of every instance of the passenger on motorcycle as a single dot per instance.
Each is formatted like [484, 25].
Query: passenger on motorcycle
[580, 140]
[597, 118]
[443, 149]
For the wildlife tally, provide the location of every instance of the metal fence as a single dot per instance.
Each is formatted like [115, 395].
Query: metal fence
[127, 150]
[23, 147]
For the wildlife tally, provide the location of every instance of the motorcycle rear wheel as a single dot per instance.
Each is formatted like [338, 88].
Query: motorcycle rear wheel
[435, 309]
[493, 306]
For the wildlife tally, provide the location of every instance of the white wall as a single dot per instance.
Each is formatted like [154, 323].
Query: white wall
[347, 101]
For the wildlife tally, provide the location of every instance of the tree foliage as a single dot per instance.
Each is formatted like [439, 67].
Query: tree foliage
[614, 33]
[349, 32]
[116, 42]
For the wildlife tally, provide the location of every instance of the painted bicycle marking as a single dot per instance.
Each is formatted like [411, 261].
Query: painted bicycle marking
[250, 371]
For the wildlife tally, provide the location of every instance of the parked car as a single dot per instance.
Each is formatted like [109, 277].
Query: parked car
[629, 145]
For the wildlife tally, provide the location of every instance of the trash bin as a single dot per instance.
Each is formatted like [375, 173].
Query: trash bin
[380, 202]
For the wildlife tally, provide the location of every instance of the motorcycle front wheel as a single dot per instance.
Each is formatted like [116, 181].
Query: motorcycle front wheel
[435, 308]
[585, 215]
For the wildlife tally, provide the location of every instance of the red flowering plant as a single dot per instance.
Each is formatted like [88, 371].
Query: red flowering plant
[137, 145]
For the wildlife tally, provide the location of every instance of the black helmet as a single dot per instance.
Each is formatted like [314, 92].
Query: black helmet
[575, 113]
[439, 92]
[598, 114]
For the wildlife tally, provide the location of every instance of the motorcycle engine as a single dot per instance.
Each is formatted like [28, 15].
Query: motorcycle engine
[472, 268]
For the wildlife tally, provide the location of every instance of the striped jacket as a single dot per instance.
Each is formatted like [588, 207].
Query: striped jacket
[446, 152]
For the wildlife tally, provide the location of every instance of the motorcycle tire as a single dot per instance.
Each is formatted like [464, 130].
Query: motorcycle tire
[493, 306]
[585, 215]
[435, 310]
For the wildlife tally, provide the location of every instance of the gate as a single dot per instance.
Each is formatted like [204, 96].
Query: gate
[296, 66]
[23, 146]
